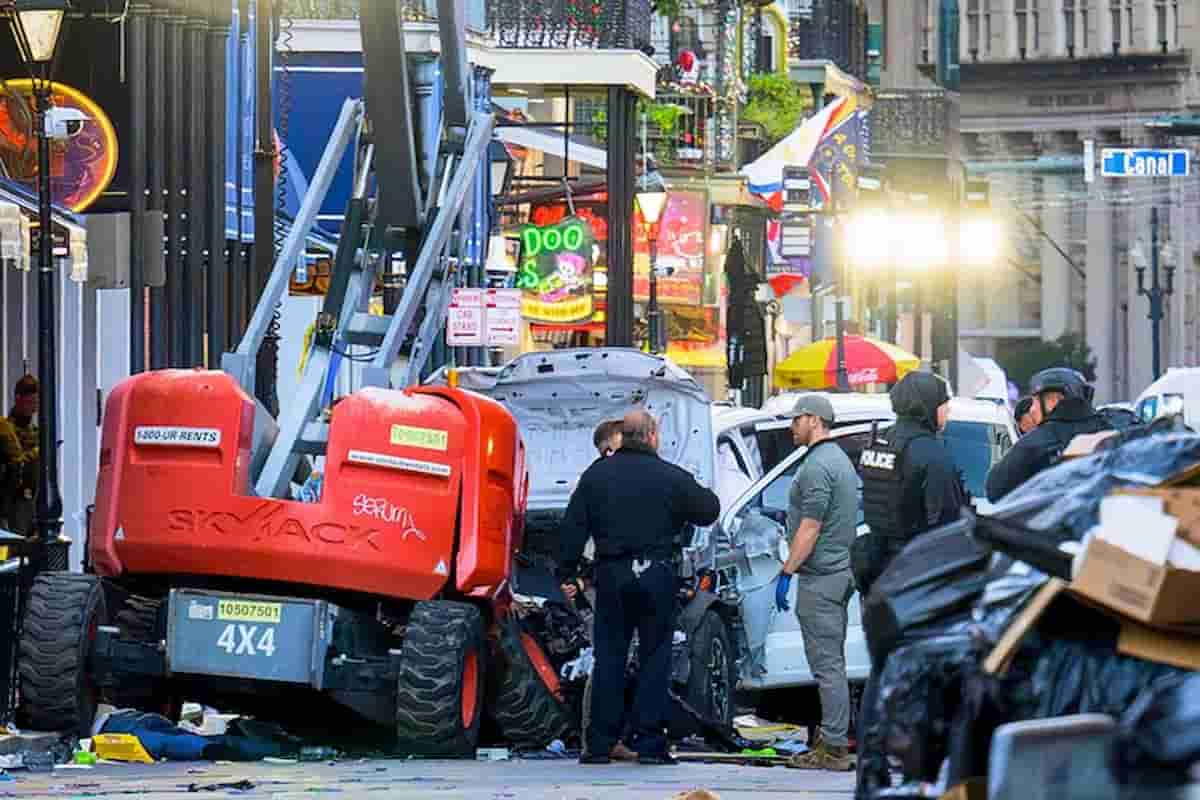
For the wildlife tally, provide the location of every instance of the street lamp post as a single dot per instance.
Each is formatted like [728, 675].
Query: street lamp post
[651, 203]
[36, 25]
[1156, 294]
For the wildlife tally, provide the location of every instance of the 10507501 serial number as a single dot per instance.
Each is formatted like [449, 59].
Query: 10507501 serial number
[249, 611]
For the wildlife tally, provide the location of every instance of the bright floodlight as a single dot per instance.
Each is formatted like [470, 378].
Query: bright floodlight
[921, 241]
[869, 238]
[982, 239]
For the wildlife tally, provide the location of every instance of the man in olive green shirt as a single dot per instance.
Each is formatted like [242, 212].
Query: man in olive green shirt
[822, 522]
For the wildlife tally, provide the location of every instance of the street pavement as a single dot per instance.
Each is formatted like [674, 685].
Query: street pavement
[444, 780]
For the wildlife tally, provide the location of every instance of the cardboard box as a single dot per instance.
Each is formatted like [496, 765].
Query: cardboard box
[1183, 504]
[1161, 647]
[1158, 595]
[1172, 648]
[1085, 444]
[1002, 654]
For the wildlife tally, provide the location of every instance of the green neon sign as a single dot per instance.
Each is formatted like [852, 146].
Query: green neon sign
[548, 251]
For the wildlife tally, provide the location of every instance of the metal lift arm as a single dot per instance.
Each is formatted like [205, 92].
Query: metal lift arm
[241, 363]
[387, 153]
[430, 265]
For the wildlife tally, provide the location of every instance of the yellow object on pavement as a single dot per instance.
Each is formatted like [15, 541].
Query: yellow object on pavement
[120, 747]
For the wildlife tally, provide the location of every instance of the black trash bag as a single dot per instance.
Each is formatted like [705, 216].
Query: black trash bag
[1158, 740]
[987, 702]
[928, 589]
[1013, 584]
[1036, 548]
[920, 688]
[1067, 665]
[1075, 677]
[1063, 503]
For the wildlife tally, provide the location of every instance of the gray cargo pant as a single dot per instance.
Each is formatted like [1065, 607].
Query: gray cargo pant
[821, 603]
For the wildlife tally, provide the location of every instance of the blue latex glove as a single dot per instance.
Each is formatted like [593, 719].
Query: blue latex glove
[782, 584]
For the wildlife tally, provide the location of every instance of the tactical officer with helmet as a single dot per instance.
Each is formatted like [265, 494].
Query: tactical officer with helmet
[910, 482]
[1064, 399]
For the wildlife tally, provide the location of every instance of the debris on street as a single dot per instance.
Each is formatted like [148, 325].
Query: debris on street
[1073, 598]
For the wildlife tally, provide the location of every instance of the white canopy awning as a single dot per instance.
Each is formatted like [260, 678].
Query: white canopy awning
[552, 143]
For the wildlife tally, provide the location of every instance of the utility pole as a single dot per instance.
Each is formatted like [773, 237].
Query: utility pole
[1156, 293]
[843, 376]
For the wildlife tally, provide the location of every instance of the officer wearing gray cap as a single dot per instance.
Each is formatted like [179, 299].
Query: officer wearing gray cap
[821, 522]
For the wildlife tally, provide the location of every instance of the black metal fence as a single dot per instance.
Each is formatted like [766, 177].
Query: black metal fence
[835, 30]
[418, 10]
[598, 24]
[679, 130]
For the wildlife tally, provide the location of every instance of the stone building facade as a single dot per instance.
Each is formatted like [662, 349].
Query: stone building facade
[1037, 79]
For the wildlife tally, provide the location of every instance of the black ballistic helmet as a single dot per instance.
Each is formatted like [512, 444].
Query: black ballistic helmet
[1062, 379]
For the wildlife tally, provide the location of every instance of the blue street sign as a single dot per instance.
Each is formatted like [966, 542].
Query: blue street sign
[1132, 163]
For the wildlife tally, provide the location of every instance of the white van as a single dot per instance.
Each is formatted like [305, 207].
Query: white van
[1177, 393]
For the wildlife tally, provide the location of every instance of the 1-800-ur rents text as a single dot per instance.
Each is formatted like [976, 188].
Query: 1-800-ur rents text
[176, 435]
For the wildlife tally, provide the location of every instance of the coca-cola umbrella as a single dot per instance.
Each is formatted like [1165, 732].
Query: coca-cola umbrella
[867, 361]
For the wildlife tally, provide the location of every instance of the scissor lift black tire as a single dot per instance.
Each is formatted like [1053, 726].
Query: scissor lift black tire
[57, 692]
[526, 709]
[439, 694]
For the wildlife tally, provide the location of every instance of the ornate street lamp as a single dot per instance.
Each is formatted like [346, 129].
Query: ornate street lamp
[651, 200]
[502, 168]
[36, 26]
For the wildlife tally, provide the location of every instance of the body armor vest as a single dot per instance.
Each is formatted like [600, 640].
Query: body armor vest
[883, 486]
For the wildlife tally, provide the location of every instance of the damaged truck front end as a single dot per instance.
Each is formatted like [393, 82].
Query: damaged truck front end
[558, 399]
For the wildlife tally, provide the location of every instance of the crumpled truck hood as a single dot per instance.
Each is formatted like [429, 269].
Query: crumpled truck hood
[559, 397]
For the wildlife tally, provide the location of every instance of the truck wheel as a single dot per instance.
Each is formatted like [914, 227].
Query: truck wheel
[439, 694]
[712, 679]
[529, 707]
[56, 690]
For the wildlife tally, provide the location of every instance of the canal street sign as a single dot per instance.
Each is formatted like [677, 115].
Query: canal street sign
[1133, 163]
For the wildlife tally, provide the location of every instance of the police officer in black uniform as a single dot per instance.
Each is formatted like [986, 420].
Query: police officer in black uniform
[1065, 399]
[910, 482]
[634, 505]
[910, 485]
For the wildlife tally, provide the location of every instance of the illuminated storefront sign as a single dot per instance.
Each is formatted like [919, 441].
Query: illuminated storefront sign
[555, 272]
[82, 164]
[681, 240]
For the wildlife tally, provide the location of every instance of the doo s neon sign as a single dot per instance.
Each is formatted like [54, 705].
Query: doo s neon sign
[556, 271]
[542, 248]
[553, 240]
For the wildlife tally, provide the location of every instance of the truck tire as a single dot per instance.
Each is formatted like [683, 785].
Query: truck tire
[712, 679]
[439, 693]
[528, 707]
[57, 692]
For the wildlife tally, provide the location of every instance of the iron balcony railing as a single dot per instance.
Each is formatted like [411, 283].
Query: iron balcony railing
[681, 134]
[833, 30]
[558, 24]
[679, 131]
[914, 122]
[417, 10]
